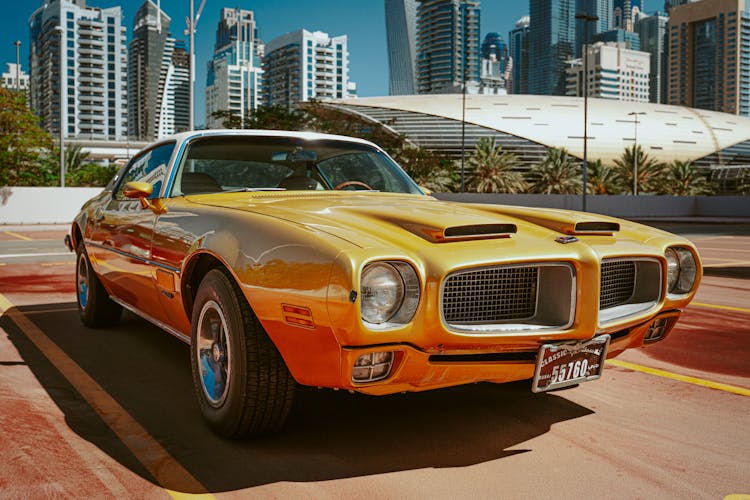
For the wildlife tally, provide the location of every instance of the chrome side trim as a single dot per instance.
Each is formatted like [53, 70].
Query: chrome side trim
[135, 257]
[166, 328]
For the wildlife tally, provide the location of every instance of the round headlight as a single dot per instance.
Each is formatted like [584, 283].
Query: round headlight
[682, 270]
[673, 268]
[382, 292]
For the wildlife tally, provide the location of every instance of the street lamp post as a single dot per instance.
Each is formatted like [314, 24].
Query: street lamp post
[635, 114]
[18, 65]
[192, 24]
[60, 75]
[463, 131]
[586, 19]
[191, 121]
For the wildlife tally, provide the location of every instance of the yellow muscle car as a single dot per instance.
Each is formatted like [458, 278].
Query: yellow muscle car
[289, 258]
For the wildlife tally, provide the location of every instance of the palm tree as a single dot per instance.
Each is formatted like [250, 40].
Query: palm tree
[684, 179]
[603, 179]
[75, 157]
[558, 173]
[743, 182]
[650, 172]
[493, 169]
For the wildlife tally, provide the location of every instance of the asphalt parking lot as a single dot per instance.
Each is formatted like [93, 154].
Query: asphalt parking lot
[110, 413]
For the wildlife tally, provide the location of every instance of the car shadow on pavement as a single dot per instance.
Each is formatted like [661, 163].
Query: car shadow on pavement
[329, 435]
[736, 272]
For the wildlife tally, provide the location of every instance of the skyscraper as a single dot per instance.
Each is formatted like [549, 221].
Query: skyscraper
[518, 40]
[599, 8]
[652, 31]
[234, 76]
[302, 65]
[625, 14]
[631, 38]
[709, 56]
[496, 65]
[401, 25]
[551, 44]
[447, 45]
[670, 4]
[158, 77]
[94, 65]
[615, 72]
[493, 43]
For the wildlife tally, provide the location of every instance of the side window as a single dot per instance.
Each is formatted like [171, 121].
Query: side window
[150, 167]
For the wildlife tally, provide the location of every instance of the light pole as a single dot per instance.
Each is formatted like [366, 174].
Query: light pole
[18, 65]
[586, 19]
[192, 24]
[191, 100]
[635, 114]
[463, 97]
[463, 130]
[60, 120]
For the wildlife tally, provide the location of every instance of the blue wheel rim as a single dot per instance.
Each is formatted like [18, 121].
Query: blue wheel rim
[214, 353]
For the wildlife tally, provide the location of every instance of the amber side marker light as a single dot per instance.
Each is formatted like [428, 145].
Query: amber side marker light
[298, 316]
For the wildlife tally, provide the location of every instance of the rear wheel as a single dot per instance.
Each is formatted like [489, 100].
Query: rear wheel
[94, 305]
[240, 379]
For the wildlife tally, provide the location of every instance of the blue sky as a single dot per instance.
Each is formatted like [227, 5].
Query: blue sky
[362, 20]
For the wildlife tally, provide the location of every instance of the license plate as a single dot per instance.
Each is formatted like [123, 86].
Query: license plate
[561, 365]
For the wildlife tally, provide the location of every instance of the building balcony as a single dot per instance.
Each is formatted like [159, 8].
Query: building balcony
[89, 61]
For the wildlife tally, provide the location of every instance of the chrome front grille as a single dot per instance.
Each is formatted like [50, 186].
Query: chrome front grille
[617, 282]
[630, 286]
[491, 295]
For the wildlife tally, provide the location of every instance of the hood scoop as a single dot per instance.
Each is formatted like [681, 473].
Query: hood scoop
[462, 233]
[596, 227]
[562, 221]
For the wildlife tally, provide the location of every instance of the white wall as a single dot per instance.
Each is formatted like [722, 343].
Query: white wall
[42, 205]
[47, 205]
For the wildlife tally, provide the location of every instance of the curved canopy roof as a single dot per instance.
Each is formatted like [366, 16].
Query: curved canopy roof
[666, 133]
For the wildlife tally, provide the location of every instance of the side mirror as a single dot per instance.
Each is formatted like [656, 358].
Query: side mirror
[137, 190]
[141, 191]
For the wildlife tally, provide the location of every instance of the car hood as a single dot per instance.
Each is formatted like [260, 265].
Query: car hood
[408, 221]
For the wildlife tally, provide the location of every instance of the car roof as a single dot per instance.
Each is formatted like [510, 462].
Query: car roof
[186, 136]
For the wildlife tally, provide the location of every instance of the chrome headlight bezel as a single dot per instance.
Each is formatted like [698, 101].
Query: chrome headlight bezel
[682, 270]
[382, 309]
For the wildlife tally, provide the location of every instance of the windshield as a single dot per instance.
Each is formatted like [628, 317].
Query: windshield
[242, 163]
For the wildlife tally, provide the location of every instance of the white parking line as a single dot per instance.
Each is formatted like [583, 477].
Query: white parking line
[20, 255]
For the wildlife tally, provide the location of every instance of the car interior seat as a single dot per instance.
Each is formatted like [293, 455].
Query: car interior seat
[199, 182]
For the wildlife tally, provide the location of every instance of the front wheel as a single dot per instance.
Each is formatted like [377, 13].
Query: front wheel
[241, 381]
[94, 305]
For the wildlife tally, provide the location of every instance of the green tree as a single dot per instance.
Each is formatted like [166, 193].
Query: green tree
[558, 173]
[24, 147]
[682, 178]
[277, 118]
[428, 169]
[493, 170]
[82, 172]
[651, 173]
[228, 119]
[603, 179]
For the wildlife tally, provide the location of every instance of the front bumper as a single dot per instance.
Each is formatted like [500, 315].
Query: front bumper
[414, 370]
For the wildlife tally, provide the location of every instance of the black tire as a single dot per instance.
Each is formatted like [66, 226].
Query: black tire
[242, 384]
[95, 307]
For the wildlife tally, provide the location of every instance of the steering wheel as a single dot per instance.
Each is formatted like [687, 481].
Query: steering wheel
[346, 184]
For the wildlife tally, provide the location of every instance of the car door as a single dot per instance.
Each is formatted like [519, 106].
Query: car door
[122, 235]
